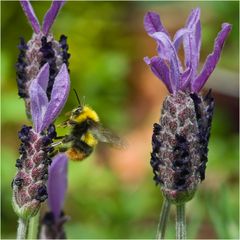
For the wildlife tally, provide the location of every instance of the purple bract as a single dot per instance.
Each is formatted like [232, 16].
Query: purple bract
[167, 66]
[44, 111]
[48, 18]
[57, 184]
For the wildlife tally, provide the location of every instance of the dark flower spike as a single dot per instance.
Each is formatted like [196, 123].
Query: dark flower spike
[29, 12]
[40, 49]
[180, 140]
[43, 111]
[51, 15]
[173, 75]
[52, 228]
[29, 184]
[57, 184]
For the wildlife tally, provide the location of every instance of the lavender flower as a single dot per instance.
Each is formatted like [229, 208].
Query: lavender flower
[29, 184]
[180, 141]
[41, 49]
[52, 223]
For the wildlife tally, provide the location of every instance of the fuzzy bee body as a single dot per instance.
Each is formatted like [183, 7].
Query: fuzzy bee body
[80, 143]
[86, 132]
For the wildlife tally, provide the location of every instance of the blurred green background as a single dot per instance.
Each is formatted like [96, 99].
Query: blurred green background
[111, 194]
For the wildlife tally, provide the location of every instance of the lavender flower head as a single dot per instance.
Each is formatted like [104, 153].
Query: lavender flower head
[29, 184]
[40, 49]
[180, 141]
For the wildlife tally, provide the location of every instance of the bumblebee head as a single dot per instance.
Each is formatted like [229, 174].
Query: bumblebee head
[77, 111]
[82, 113]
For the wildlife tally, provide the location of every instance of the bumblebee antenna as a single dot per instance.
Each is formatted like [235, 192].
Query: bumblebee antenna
[83, 100]
[77, 97]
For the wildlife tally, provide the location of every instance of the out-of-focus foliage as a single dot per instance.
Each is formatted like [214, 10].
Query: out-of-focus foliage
[107, 43]
[222, 211]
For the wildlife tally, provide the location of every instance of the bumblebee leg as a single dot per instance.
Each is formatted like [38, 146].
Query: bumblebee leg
[65, 139]
[55, 144]
[59, 137]
[53, 153]
[62, 149]
[68, 138]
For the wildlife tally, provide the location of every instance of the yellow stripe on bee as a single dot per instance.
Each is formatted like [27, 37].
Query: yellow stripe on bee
[87, 113]
[89, 139]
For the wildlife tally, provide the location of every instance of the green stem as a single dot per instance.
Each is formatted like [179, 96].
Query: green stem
[163, 219]
[181, 222]
[22, 228]
[33, 227]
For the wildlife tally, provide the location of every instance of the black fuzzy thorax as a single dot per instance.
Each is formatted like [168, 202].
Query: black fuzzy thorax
[78, 130]
[180, 144]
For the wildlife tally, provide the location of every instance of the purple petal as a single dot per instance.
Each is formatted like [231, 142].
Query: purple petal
[51, 15]
[178, 37]
[185, 79]
[192, 41]
[152, 23]
[160, 69]
[163, 52]
[38, 98]
[59, 96]
[43, 80]
[194, 23]
[57, 184]
[29, 12]
[198, 38]
[212, 59]
[163, 39]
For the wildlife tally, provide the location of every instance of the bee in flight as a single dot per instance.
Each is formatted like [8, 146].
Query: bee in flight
[86, 131]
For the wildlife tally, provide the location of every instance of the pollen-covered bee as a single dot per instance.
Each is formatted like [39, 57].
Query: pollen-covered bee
[86, 131]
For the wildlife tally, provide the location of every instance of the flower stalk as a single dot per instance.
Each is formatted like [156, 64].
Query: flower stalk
[33, 227]
[163, 219]
[22, 228]
[180, 222]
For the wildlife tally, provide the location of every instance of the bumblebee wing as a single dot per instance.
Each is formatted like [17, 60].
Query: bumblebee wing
[107, 136]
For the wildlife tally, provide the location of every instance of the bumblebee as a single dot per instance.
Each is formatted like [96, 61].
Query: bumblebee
[86, 131]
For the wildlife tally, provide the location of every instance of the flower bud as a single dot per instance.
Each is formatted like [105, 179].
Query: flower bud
[180, 144]
[29, 184]
[39, 50]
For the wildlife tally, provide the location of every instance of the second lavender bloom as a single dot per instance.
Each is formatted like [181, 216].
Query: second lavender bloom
[180, 140]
